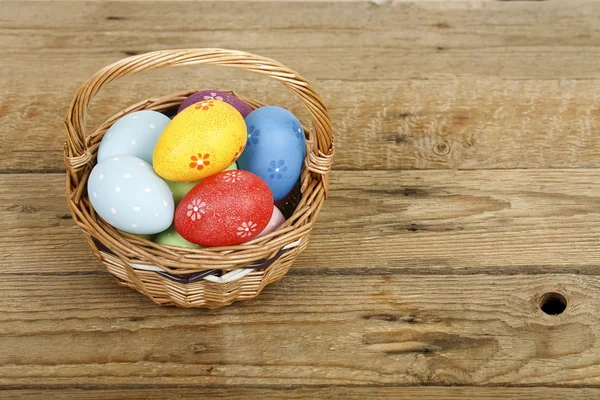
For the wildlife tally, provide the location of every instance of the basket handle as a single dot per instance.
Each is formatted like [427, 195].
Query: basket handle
[77, 155]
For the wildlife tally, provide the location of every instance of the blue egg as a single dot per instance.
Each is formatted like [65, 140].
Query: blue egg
[275, 149]
[126, 192]
[133, 135]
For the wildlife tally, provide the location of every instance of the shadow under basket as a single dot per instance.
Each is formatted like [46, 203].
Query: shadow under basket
[207, 277]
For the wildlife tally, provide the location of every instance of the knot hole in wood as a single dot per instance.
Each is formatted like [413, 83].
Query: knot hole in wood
[441, 148]
[553, 303]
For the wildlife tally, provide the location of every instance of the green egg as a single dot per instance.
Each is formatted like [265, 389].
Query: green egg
[232, 167]
[171, 237]
[180, 189]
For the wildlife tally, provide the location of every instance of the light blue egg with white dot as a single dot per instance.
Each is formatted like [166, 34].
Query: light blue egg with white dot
[134, 134]
[126, 192]
[275, 148]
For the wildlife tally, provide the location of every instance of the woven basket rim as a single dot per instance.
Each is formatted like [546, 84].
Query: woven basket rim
[80, 154]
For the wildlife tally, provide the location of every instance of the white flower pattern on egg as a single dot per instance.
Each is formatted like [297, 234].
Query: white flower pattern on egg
[195, 209]
[213, 96]
[246, 229]
[232, 176]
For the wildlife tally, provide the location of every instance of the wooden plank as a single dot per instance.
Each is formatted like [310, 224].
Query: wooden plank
[421, 124]
[305, 330]
[492, 221]
[335, 392]
[366, 40]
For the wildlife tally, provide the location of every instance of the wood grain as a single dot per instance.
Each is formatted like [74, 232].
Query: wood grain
[305, 330]
[334, 392]
[367, 40]
[492, 221]
[430, 124]
[409, 117]
[465, 189]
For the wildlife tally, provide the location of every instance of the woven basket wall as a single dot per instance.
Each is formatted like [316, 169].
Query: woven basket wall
[207, 277]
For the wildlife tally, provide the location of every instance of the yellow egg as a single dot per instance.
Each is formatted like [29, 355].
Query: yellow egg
[202, 140]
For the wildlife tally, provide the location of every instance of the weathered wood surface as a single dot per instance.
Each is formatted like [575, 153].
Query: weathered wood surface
[345, 392]
[379, 40]
[465, 188]
[492, 221]
[305, 330]
[425, 124]
[378, 68]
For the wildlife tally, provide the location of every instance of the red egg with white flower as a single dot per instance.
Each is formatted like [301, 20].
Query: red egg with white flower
[229, 208]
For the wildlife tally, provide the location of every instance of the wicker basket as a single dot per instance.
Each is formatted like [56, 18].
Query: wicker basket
[207, 277]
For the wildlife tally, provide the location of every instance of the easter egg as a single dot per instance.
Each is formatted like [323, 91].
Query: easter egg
[204, 95]
[225, 209]
[275, 148]
[277, 219]
[180, 189]
[200, 141]
[125, 192]
[171, 237]
[134, 134]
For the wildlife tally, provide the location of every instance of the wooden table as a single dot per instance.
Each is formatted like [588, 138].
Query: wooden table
[465, 190]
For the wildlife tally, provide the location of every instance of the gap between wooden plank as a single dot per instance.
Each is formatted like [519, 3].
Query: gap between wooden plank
[390, 388]
[358, 271]
[335, 169]
[327, 392]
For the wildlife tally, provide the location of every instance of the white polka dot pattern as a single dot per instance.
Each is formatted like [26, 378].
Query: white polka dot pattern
[134, 134]
[131, 196]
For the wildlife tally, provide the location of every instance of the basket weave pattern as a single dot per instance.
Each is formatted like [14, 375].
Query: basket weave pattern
[262, 260]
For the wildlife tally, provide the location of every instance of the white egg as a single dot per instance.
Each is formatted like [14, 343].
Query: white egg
[277, 219]
[127, 194]
[133, 135]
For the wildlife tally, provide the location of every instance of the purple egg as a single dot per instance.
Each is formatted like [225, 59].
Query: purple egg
[202, 95]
